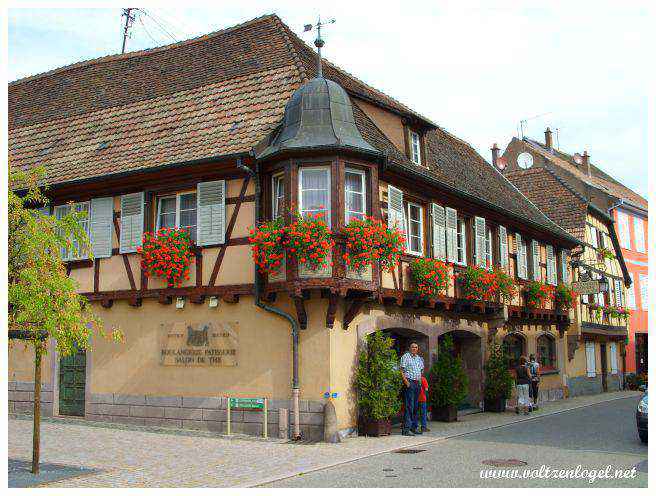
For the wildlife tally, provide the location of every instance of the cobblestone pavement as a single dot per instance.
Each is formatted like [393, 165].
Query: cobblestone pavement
[138, 457]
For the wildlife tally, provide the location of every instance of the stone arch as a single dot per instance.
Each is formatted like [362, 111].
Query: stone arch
[508, 341]
[552, 361]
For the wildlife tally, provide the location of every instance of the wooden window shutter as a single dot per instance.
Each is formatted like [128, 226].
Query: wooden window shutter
[132, 220]
[619, 295]
[439, 231]
[479, 241]
[210, 198]
[535, 260]
[613, 357]
[61, 211]
[564, 275]
[521, 257]
[503, 247]
[451, 234]
[101, 226]
[590, 358]
[551, 266]
[395, 213]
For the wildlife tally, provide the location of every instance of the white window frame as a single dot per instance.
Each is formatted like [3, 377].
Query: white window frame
[590, 359]
[639, 239]
[67, 253]
[613, 357]
[415, 147]
[488, 247]
[328, 206]
[409, 229]
[275, 197]
[630, 294]
[644, 291]
[593, 237]
[461, 242]
[363, 192]
[177, 197]
[623, 231]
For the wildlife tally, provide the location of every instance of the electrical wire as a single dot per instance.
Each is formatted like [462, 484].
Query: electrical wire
[147, 32]
[159, 24]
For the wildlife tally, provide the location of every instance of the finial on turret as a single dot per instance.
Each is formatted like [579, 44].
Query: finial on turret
[319, 43]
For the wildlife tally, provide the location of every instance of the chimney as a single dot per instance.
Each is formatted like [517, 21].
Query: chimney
[495, 155]
[548, 140]
[586, 163]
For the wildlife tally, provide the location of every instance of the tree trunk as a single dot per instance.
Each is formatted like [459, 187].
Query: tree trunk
[36, 438]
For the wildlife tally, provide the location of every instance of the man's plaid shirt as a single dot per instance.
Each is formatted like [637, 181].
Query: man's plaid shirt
[412, 366]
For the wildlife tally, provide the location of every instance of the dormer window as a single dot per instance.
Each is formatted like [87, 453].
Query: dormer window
[415, 147]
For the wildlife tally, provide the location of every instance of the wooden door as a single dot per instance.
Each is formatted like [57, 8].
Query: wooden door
[604, 367]
[72, 376]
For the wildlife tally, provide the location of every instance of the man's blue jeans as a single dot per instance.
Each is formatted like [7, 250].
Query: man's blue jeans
[423, 413]
[411, 406]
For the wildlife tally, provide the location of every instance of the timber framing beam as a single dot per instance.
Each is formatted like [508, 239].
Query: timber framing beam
[352, 311]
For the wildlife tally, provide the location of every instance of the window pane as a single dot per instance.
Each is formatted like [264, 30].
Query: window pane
[188, 201]
[315, 194]
[278, 198]
[167, 205]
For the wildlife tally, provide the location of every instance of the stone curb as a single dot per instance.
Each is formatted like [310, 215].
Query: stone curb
[436, 440]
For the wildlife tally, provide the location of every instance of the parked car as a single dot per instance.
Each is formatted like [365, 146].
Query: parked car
[641, 418]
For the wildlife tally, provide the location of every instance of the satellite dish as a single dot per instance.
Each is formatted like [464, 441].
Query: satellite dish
[578, 158]
[525, 160]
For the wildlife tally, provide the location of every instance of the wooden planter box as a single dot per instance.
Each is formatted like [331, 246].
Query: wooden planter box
[446, 414]
[377, 428]
[497, 405]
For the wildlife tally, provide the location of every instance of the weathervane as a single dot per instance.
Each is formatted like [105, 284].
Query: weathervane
[318, 42]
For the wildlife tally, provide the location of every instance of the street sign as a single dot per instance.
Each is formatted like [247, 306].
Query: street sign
[586, 287]
[252, 403]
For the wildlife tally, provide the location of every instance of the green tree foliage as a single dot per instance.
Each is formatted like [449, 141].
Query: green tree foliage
[498, 379]
[449, 383]
[378, 379]
[41, 296]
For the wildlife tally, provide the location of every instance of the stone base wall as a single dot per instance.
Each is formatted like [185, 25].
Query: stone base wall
[21, 398]
[583, 385]
[203, 413]
[544, 395]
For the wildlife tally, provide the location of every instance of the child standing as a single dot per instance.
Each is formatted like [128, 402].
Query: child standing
[423, 408]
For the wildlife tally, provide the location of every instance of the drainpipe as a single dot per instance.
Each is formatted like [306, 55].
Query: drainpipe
[258, 302]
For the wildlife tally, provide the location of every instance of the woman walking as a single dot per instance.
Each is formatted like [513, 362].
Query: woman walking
[523, 382]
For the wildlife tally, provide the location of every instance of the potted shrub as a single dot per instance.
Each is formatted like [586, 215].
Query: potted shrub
[309, 240]
[623, 313]
[448, 383]
[536, 294]
[610, 311]
[498, 379]
[267, 246]
[430, 276]
[369, 241]
[378, 383]
[564, 297]
[167, 254]
[595, 309]
[478, 284]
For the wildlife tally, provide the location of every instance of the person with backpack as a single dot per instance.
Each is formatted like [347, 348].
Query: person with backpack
[534, 367]
[523, 374]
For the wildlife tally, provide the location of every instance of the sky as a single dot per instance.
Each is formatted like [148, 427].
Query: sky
[476, 68]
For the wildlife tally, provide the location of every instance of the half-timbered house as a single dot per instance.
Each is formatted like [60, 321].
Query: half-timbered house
[579, 197]
[217, 134]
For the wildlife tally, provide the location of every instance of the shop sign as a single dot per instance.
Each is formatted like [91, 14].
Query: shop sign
[586, 287]
[199, 344]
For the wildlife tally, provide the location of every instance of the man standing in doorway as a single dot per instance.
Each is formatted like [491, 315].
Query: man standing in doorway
[412, 367]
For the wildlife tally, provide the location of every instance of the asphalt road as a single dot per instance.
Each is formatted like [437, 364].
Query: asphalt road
[591, 437]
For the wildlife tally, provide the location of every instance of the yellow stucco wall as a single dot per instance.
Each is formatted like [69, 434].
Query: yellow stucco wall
[21, 363]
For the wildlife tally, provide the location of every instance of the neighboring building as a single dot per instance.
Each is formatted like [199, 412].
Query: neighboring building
[217, 133]
[578, 196]
[630, 216]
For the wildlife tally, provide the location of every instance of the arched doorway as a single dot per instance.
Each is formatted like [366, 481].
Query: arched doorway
[469, 347]
[402, 339]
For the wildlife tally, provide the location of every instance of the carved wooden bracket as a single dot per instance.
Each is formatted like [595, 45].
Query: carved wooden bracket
[231, 298]
[134, 301]
[164, 299]
[352, 311]
[107, 303]
[301, 314]
[332, 310]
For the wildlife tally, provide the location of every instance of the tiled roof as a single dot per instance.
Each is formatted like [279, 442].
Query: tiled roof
[598, 178]
[553, 198]
[212, 96]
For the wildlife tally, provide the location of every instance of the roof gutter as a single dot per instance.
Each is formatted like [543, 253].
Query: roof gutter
[276, 311]
[616, 243]
[389, 165]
